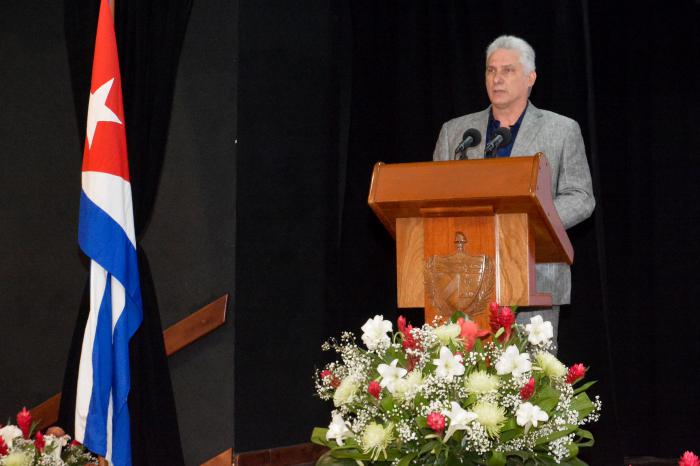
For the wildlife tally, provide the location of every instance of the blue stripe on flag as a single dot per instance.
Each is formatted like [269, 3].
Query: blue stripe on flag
[105, 241]
[96, 434]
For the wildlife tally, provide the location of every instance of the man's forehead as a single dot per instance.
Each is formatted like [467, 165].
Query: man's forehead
[503, 57]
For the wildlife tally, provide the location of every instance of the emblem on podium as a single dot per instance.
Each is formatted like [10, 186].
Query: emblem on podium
[459, 282]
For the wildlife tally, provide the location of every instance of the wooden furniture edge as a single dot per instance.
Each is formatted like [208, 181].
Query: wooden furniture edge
[195, 326]
[290, 455]
[199, 323]
[225, 458]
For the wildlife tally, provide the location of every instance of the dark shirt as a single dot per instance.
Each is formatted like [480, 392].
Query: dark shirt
[503, 151]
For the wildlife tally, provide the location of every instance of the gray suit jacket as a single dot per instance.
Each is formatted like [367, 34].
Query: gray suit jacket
[560, 139]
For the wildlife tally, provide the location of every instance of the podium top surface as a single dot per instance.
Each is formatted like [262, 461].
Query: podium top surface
[473, 187]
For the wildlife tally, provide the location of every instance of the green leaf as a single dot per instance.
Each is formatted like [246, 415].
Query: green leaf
[522, 455]
[406, 460]
[428, 447]
[546, 397]
[510, 434]
[584, 387]
[457, 315]
[387, 403]
[329, 460]
[573, 450]
[497, 459]
[498, 333]
[555, 435]
[471, 400]
[511, 423]
[583, 405]
[318, 436]
[347, 451]
[585, 434]
[573, 462]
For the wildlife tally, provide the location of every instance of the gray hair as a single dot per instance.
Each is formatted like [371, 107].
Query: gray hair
[526, 52]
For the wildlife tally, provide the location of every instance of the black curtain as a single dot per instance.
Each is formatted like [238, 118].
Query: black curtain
[149, 39]
[319, 110]
[648, 161]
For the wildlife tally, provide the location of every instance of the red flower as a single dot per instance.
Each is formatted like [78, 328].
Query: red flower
[24, 422]
[3, 446]
[401, 324]
[501, 317]
[528, 389]
[75, 443]
[470, 332]
[689, 459]
[408, 341]
[374, 388]
[576, 372]
[39, 442]
[436, 421]
[334, 381]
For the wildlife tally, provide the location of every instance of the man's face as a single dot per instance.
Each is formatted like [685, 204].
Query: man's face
[507, 84]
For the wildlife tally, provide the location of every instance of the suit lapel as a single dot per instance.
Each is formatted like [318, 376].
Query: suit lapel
[531, 125]
[480, 122]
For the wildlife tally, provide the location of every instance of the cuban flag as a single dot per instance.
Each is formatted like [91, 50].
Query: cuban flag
[106, 236]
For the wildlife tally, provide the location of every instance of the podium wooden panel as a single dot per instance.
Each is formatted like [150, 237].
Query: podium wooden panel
[503, 206]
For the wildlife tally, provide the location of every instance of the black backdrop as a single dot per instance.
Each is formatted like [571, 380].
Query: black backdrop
[326, 91]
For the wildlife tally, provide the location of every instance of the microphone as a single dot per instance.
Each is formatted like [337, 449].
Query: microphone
[502, 138]
[470, 138]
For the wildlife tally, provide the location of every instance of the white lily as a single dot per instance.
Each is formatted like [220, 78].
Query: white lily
[449, 365]
[459, 419]
[539, 331]
[9, 433]
[528, 415]
[513, 362]
[390, 375]
[375, 331]
[338, 429]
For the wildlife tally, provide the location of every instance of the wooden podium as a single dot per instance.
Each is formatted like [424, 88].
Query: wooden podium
[502, 206]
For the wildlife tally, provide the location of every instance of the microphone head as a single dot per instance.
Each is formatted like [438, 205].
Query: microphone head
[504, 132]
[475, 134]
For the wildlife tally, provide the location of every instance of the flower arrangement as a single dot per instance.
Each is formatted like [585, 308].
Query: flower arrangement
[453, 393]
[52, 448]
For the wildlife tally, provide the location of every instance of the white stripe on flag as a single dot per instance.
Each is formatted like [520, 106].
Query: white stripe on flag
[108, 455]
[98, 280]
[118, 301]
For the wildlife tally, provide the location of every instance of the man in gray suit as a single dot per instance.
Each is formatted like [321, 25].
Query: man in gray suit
[510, 75]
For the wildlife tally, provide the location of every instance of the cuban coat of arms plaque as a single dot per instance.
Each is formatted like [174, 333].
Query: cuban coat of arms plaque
[459, 282]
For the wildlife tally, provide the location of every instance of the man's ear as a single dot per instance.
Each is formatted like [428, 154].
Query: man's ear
[532, 77]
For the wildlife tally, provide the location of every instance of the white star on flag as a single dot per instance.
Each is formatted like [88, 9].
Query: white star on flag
[98, 110]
